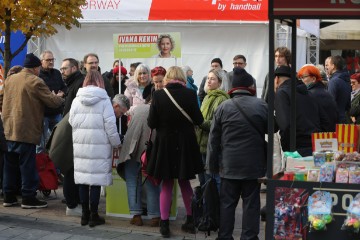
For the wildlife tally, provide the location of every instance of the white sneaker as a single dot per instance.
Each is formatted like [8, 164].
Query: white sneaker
[77, 211]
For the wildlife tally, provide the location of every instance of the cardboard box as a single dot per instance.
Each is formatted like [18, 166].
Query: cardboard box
[324, 141]
[347, 136]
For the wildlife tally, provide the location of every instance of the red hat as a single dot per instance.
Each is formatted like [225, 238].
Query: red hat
[116, 70]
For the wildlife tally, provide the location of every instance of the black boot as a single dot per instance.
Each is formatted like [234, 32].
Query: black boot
[164, 228]
[85, 215]
[95, 219]
[189, 225]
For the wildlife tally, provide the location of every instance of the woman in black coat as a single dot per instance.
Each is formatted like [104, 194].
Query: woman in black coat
[175, 153]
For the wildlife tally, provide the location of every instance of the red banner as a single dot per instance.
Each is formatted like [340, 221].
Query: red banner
[316, 8]
[235, 10]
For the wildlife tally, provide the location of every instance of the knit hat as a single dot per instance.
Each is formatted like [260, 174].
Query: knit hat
[217, 60]
[116, 70]
[31, 61]
[284, 71]
[241, 78]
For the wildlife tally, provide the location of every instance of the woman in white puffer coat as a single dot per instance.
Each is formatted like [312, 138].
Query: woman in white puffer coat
[94, 135]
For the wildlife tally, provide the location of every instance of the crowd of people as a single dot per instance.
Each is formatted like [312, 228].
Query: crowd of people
[215, 131]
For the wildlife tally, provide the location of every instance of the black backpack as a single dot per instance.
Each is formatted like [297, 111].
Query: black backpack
[205, 207]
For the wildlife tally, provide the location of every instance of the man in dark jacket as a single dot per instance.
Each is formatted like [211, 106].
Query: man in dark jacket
[339, 85]
[307, 112]
[91, 62]
[53, 80]
[74, 80]
[240, 143]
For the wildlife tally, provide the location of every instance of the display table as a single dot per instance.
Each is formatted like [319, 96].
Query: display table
[117, 202]
[341, 193]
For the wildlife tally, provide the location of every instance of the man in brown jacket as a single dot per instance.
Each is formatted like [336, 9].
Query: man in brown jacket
[25, 97]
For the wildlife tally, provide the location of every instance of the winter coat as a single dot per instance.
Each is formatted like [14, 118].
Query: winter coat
[327, 106]
[191, 85]
[60, 145]
[136, 136]
[239, 144]
[355, 108]
[73, 83]
[307, 116]
[134, 94]
[211, 102]
[25, 98]
[339, 87]
[94, 134]
[54, 81]
[108, 87]
[175, 153]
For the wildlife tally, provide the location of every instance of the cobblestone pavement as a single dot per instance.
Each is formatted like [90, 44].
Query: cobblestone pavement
[52, 223]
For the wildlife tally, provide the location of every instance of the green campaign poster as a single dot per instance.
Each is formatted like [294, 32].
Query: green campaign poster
[147, 45]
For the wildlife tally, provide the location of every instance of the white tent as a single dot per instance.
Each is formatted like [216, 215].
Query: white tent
[342, 35]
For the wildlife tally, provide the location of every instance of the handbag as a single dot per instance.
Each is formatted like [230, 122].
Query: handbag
[178, 106]
[144, 158]
[254, 126]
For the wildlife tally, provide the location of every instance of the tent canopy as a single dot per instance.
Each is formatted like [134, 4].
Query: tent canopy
[342, 35]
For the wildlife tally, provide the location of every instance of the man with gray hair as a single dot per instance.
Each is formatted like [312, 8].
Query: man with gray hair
[53, 80]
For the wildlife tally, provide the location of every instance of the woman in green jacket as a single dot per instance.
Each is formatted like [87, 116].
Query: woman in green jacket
[212, 100]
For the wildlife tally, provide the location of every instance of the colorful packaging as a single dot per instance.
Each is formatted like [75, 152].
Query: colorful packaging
[342, 175]
[329, 156]
[313, 175]
[354, 175]
[324, 141]
[319, 209]
[319, 158]
[352, 221]
[347, 136]
[327, 172]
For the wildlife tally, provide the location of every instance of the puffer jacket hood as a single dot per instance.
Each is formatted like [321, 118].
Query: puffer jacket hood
[91, 95]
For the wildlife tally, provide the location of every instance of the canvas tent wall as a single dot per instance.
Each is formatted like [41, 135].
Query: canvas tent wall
[201, 42]
[342, 35]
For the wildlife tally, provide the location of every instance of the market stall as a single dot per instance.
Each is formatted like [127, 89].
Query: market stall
[291, 199]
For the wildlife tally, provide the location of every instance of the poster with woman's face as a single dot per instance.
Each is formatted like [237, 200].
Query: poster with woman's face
[147, 45]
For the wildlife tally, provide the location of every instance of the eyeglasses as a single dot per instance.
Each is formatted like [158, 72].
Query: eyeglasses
[50, 60]
[64, 68]
[353, 82]
[92, 63]
[143, 73]
[238, 63]
[303, 77]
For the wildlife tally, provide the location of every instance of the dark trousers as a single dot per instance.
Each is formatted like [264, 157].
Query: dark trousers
[70, 189]
[230, 192]
[20, 156]
[94, 196]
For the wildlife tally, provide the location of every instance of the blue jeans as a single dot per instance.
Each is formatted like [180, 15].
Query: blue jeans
[48, 125]
[20, 155]
[94, 196]
[203, 177]
[134, 189]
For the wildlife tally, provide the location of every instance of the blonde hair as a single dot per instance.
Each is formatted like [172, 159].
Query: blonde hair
[174, 73]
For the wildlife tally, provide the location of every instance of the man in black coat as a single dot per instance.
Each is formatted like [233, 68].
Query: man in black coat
[53, 80]
[236, 150]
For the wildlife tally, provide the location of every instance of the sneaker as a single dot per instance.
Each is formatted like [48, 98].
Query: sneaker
[77, 211]
[33, 202]
[10, 200]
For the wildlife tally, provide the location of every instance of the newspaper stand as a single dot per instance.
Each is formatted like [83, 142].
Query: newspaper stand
[287, 12]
